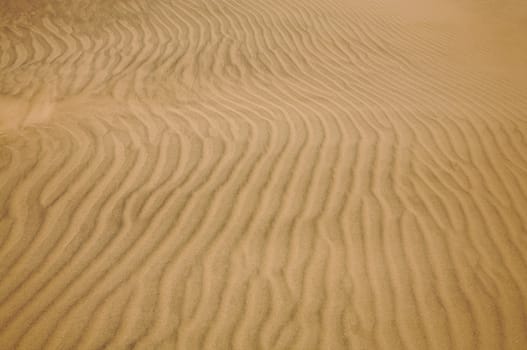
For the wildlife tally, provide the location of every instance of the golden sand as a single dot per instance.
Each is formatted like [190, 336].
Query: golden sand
[293, 174]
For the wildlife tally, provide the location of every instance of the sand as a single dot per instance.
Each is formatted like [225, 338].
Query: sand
[298, 174]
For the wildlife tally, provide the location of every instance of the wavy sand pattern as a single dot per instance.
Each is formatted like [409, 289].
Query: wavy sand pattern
[341, 174]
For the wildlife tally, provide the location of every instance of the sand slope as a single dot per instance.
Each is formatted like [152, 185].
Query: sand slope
[263, 174]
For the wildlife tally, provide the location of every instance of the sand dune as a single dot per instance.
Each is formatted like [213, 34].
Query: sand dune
[263, 174]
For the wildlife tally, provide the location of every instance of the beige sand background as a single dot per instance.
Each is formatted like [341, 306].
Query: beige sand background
[281, 174]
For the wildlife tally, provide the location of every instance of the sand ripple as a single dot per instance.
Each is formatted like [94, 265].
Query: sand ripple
[262, 175]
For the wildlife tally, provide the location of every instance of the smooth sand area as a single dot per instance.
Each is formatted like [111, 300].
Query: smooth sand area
[263, 174]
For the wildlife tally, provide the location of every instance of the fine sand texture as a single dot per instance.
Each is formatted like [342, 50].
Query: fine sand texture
[263, 174]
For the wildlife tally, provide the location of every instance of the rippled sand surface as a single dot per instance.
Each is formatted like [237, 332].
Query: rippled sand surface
[293, 174]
